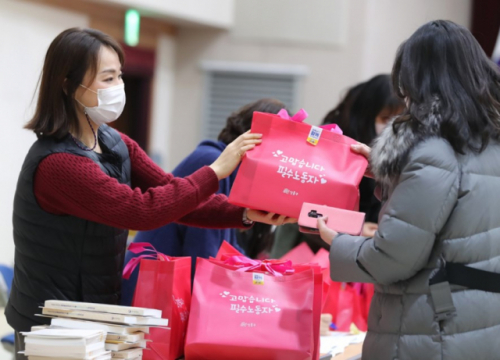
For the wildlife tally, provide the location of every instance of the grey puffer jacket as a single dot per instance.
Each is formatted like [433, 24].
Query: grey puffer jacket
[437, 206]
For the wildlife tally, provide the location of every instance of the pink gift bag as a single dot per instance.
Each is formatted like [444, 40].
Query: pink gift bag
[302, 263]
[346, 305]
[226, 250]
[298, 163]
[300, 254]
[248, 309]
[164, 283]
[322, 258]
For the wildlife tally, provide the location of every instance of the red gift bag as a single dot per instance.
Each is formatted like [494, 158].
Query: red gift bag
[287, 170]
[164, 283]
[250, 315]
[318, 303]
[348, 303]
[300, 254]
[322, 258]
[256, 309]
[226, 251]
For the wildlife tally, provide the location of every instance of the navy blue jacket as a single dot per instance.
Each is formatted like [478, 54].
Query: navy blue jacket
[181, 240]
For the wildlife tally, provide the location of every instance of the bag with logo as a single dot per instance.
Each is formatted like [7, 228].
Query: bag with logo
[298, 163]
[258, 309]
[164, 283]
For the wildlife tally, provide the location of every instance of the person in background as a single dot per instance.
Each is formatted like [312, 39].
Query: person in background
[183, 240]
[83, 184]
[435, 258]
[373, 105]
[362, 114]
[340, 114]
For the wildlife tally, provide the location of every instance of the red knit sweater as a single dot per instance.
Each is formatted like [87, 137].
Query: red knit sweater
[67, 184]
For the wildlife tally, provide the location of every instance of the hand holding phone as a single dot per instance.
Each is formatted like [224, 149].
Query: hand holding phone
[340, 220]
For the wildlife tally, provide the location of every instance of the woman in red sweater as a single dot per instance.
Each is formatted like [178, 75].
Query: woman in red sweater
[83, 184]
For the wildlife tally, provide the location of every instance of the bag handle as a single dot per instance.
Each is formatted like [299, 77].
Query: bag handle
[301, 115]
[334, 128]
[274, 267]
[138, 248]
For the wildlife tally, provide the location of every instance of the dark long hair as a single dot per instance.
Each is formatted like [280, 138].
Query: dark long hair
[376, 94]
[260, 237]
[70, 55]
[340, 114]
[357, 112]
[441, 70]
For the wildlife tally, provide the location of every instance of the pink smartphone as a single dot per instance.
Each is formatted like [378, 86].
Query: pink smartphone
[340, 220]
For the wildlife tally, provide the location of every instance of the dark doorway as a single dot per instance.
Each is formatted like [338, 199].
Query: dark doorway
[486, 23]
[138, 77]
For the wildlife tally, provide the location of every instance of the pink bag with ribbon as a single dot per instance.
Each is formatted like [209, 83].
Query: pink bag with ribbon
[250, 309]
[300, 254]
[164, 283]
[298, 163]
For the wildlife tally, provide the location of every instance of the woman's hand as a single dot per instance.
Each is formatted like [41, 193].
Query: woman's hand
[369, 229]
[269, 218]
[227, 162]
[364, 150]
[327, 234]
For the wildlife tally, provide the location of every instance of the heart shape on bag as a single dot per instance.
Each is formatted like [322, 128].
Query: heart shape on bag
[323, 181]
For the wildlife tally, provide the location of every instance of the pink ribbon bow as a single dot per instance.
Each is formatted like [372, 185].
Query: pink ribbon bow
[138, 248]
[273, 267]
[301, 115]
[333, 128]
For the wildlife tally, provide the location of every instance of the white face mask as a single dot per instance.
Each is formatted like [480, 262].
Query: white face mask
[111, 102]
[379, 128]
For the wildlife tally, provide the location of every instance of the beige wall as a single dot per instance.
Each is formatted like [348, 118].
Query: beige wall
[162, 102]
[373, 29]
[320, 86]
[26, 31]
[390, 22]
[311, 22]
[216, 13]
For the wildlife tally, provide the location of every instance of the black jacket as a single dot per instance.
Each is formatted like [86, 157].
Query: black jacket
[64, 257]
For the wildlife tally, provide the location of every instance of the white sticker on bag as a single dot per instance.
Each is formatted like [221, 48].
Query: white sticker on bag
[258, 279]
[314, 135]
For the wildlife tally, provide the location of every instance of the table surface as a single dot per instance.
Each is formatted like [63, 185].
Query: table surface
[350, 351]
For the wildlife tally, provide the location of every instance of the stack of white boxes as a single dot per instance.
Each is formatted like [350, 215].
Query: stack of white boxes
[123, 328]
[66, 344]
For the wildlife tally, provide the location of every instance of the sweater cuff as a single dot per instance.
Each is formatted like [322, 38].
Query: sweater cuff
[206, 181]
[344, 264]
[235, 219]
